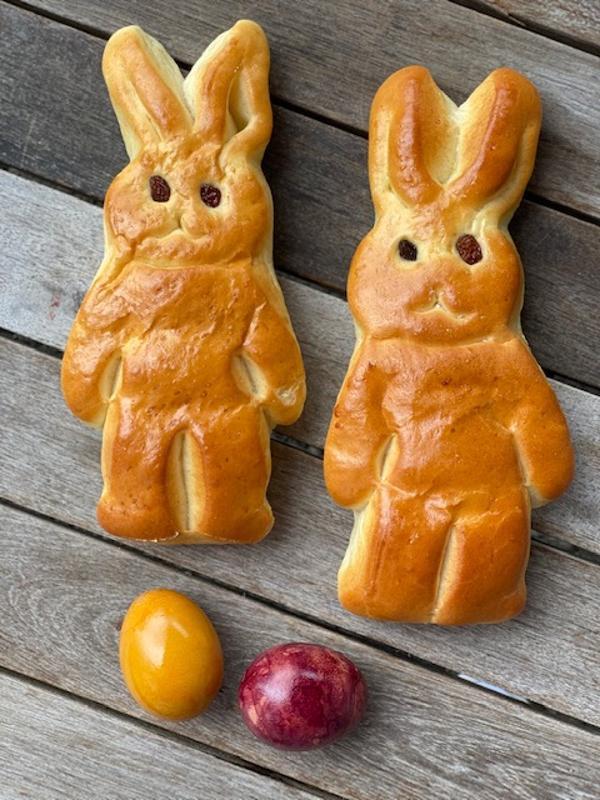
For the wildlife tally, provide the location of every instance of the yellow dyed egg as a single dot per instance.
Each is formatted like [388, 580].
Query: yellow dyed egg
[170, 654]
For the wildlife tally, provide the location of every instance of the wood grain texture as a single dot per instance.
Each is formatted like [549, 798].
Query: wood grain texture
[331, 57]
[64, 594]
[425, 735]
[49, 462]
[56, 748]
[579, 20]
[317, 173]
[44, 274]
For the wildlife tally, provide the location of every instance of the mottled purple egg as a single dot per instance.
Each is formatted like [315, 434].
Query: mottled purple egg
[298, 696]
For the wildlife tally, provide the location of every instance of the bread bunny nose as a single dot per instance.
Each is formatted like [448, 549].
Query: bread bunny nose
[192, 222]
[442, 269]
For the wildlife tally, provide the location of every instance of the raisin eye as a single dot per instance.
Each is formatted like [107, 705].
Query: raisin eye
[159, 189]
[468, 249]
[210, 195]
[407, 250]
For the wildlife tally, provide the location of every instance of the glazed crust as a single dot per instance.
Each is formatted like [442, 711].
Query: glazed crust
[182, 349]
[445, 431]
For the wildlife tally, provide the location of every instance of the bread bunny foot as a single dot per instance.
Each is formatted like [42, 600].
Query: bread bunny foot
[481, 577]
[134, 502]
[393, 559]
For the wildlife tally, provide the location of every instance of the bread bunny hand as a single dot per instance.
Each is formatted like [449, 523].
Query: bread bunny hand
[273, 366]
[357, 436]
[186, 288]
[541, 436]
[91, 362]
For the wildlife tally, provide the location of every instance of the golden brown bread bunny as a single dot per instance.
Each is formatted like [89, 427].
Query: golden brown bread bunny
[183, 348]
[445, 431]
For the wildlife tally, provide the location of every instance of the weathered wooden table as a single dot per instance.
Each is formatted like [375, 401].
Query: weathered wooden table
[508, 711]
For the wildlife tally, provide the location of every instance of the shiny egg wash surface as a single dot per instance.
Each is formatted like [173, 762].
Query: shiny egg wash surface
[170, 654]
[298, 696]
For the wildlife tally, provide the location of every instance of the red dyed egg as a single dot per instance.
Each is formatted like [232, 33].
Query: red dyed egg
[298, 696]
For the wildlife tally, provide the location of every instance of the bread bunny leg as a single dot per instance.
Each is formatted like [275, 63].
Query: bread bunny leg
[136, 504]
[391, 567]
[482, 576]
[232, 468]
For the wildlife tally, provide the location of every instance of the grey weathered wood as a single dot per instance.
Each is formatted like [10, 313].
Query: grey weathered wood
[57, 748]
[579, 20]
[44, 273]
[425, 735]
[319, 181]
[331, 57]
[63, 594]
[49, 462]
[318, 176]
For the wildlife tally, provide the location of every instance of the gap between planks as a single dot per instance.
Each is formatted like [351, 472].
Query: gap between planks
[547, 540]
[97, 201]
[232, 758]
[311, 283]
[292, 442]
[323, 325]
[544, 31]
[20, 172]
[551, 542]
[527, 24]
[560, 324]
[41, 347]
[570, 636]
[554, 205]
[402, 655]
[297, 108]
[169, 735]
[411, 690]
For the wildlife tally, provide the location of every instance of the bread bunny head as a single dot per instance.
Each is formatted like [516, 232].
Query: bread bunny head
[193, 192]
[439, 265]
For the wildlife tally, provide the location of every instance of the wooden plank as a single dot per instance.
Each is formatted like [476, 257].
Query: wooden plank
[318, 175]
[330, 58]
[49, 462]
[56, 747]
[425, 734]
[578, 20]
[43, 276]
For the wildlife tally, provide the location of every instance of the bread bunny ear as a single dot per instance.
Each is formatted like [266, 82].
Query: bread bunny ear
[146, 89]
[498, 139]
[411, 138]
[228, 90]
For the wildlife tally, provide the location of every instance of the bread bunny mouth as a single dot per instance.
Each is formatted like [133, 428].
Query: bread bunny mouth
[437, 305]
[176, 236]
[174, 250]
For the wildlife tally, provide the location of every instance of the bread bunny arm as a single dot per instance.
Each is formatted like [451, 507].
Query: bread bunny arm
[357, 437]
[91, 360]
[542, 437]
[273, 359]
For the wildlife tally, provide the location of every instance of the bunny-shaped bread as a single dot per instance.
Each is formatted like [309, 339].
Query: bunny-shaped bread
[445, 431]
[183, 349]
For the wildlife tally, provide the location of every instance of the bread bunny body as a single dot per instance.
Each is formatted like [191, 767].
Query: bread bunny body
[445, 431]
[182, 348]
